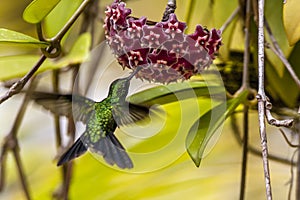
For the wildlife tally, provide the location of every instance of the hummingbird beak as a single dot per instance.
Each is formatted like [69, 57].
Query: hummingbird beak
[134, 72]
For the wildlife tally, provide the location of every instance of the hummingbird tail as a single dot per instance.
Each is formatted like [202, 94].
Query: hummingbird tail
[77, 149]
[109, 147]
[112, 151]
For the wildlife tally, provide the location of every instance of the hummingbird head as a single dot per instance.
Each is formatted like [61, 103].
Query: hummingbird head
[120, 87]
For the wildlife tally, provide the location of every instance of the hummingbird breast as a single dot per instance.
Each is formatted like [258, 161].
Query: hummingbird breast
[101, 121]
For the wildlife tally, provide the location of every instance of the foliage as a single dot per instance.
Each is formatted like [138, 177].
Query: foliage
[198, 130]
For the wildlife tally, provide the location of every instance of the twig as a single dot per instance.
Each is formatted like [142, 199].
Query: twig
[261, 97]
[55, 83]
[245, 152]
[11, 144]
[71, 131]
[277, 50]
[22, 175]
[68, 166]
[275, 122]
[18, 86]
[287, 140]
[297, 130]
[254, 150]
[292, 177]
[279, 123]
[230, 19]
[171, 7]
[245, 86]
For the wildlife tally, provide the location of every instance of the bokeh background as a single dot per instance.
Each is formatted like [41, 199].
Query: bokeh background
[218, 176]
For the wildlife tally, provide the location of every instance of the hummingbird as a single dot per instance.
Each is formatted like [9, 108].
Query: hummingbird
[101, 119]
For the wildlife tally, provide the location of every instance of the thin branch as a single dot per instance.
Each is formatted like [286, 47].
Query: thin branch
[275, 122]
[19, 85]
[16, 153]
[71, 131]
[253, 150]
[261, 97]
[11, 144]
[171, 7]
[3, 158]
[230, 19]
[292, 177]
[55, 82]
[245, 86]
[279, 123]
[287, 140]
[246, 59]
[297, 130]
[277, 50]
[245, 152]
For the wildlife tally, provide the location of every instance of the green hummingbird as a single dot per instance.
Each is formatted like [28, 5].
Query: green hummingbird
[101, 119]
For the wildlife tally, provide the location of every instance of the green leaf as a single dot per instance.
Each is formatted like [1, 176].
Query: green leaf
[37, 10]
[277, 85]
[174, 92]
[59, 16]
[213, 15]
[274, 18]
[205, 127]
[17, 66]
[291, 16]
[13, 37]
[79, 51]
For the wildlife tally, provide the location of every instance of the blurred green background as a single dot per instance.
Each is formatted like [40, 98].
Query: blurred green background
[218, 176]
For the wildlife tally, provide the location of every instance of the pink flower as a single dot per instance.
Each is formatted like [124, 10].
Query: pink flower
[165, 53]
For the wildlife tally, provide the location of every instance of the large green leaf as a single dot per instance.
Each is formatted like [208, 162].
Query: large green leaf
[277, 86]
[174, 92]
[37, 10]
[58, 17]
[291, 20]
[274, 18]
[13, 37]
[17, 66]
[205, 127]
[79, 52]
[212, 15]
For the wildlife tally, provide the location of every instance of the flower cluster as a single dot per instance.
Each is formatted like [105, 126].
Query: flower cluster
[163, 51]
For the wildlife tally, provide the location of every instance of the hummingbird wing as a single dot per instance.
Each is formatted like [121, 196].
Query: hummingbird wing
[76, 150]
[65, 104]
[112, 151]
[128, 113]
[109, 147]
